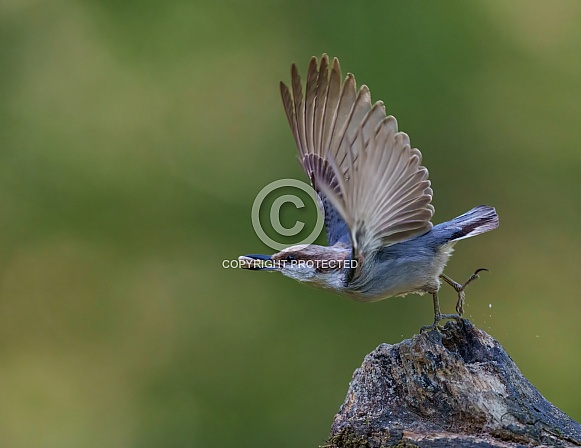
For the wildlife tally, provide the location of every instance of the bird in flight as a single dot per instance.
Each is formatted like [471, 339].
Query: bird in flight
[375, 196]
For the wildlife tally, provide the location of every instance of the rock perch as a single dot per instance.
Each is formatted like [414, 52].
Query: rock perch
[455, 388]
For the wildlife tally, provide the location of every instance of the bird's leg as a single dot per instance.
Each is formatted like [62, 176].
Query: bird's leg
[460, 288]
[438, 316]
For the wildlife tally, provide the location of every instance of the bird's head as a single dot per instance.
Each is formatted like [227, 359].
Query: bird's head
[322, 266]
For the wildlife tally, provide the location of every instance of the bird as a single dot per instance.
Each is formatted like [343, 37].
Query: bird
[375, 197]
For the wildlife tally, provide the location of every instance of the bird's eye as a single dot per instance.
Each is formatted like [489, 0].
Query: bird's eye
[290, 258]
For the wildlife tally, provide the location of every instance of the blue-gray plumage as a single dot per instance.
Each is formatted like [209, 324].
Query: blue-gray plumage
[337, 230]
[415, 265]
[375, 195]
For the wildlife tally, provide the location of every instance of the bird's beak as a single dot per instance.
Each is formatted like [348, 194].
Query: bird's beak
[257, 262]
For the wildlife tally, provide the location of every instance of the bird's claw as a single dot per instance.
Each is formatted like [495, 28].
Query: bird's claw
[461, 287]
[436, 325]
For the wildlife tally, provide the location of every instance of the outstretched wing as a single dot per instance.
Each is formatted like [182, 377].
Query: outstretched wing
[386, 198]
[372, 187]
[323, 121]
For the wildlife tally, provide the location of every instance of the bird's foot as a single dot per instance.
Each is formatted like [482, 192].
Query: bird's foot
[437, 319]
[461, 287]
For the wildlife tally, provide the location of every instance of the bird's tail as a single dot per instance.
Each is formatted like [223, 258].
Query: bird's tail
[474, 222]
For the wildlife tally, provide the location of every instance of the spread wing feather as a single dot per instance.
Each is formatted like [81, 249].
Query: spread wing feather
[323, 122]
[387, 197]
[372, 188]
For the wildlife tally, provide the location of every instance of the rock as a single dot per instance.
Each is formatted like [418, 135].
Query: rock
[457, 387]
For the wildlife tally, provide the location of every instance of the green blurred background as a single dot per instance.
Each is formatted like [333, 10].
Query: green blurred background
[134, 137]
